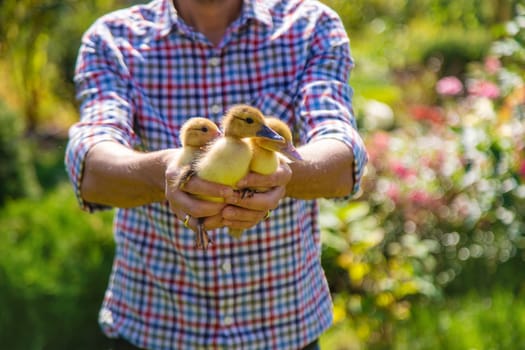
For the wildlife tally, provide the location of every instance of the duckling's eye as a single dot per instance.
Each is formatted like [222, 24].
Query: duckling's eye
[249, 120]
[204, 129]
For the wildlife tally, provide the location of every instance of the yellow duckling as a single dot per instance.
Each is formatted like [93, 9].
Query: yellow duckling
[195, 134]
[266, 155]
[265, 158]
[227, 159]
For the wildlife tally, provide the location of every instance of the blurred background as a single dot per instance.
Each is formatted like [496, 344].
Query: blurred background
[429, 256]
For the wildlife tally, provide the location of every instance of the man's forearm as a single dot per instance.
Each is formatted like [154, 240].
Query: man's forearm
[325, 172]
[118, 176]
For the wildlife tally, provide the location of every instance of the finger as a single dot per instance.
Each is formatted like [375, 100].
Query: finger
[239, 224]
[200, 187]
[241, 218]
[182, 203]
[213, 222]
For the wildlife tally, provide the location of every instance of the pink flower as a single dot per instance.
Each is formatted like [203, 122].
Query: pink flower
[484, 88]
[449, 86]
[377, 146]
[428, 113]
[420, 197]
[381, 141]
[393, 192]
[403, 172]
[434, 160]
[492, 64]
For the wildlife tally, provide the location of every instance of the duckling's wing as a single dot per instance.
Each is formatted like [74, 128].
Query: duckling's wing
[226, 162]
[264, 161]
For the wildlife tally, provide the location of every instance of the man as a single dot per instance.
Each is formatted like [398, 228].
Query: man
[143, 71]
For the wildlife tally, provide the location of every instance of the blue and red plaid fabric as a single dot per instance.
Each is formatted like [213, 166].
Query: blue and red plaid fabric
[141, 72]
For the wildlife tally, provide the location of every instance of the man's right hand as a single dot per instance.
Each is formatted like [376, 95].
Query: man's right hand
[183, 198]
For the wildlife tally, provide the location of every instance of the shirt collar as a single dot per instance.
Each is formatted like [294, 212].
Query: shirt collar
[167, 17]
[257, 10]
[252, 9]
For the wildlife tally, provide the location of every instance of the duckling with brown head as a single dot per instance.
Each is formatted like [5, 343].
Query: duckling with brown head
[195, 134]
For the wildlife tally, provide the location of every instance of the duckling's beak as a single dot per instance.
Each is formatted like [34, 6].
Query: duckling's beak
[289, 151]
[268, 133]
[286, 148]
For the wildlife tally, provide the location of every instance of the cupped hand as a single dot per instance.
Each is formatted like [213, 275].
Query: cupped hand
[257, 195]
[183, 198]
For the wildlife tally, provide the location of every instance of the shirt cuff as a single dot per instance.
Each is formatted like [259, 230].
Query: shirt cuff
[76, 152]
[353, 140]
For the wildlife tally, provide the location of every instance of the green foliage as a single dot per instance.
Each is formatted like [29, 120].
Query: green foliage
[469, 13]
[54, 265]
[374, 289]
[511, 46]
[49, 164]
[454, 49]
[38, 47]
[474, 321]
[17, 174]
[481, 322]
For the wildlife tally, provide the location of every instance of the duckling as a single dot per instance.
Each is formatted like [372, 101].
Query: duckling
[195, 134]
[265, 158]
[266, 155]
[227, 159]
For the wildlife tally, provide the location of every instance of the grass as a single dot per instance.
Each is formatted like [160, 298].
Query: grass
[473, 322]
[492, 321]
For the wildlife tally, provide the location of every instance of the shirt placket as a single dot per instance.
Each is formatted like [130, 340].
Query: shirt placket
[216, 108]
[226, 303]
[213, 74]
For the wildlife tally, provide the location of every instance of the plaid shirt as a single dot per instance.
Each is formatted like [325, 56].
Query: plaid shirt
[141, 72]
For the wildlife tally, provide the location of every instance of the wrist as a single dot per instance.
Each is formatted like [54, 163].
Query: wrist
[160, 164]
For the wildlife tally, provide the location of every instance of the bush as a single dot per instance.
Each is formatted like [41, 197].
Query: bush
[443, 199]
[476, 321]
[38, 48]
[454, 49]
[17, 174]
[54, 266]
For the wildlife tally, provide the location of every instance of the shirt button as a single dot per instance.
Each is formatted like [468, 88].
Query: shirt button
[214, 61]
[215, 109]
[228, 321]
[226, 266]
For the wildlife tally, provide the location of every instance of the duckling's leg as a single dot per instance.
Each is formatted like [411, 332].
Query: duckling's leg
[246, 192]
[202, 240]
[186, 174]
